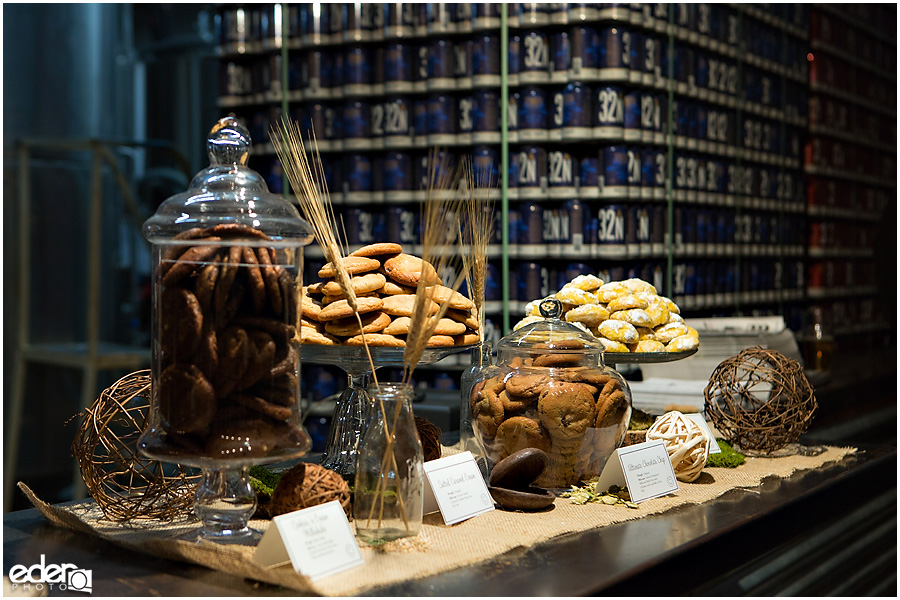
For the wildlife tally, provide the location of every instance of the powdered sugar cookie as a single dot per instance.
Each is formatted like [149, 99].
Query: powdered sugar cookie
[590, 315]
[618, 331]
[588, 283]
[636, 316]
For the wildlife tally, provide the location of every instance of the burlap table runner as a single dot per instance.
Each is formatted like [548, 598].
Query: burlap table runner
[438, 548]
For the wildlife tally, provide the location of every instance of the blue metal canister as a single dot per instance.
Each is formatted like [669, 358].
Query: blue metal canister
[632, 120]
[485, 117]
[533, 114]
[633, 154]
[441, 120]
[560, 56]
[486, 60]
[357, 175]
[402, 225]
[356, 124]
[530, 238]
[514, 58]
[532, 172]
[609, 113]
[399, 62]
[610, 241]
[534, 64]
[398, 130]
[441, 65]
[358, 68]
[561, 173]
[615, 172]
[577, 218]
[363, 226]
[398, 177]
[578, 112]
[615, 54]
[486, 166]
[533, 282]
[588, 177]
[585, 43]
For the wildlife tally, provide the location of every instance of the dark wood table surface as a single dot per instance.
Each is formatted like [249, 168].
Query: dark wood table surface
[830, 530]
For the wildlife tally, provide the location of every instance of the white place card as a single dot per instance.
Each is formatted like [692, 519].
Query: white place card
[644, 468]
[701, 422]
[456, 488]
[318, 541]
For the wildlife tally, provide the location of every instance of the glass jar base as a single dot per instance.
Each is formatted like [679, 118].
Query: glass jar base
[382, 535]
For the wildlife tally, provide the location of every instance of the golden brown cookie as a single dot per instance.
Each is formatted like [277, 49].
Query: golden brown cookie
[450, 327]
[402, 305]
[526, 385]
[611, 410]
[466, 339]
[513, 404]
[466, 317]
[311, 307]
[392, 288]
[487, 410]
[452, 298]
[355, 265]
[649, 346]
[398, 326]
[361, 284]
[618, 331]
[517, 433]
[380, 340]
[566, 410]
[341, 309]
[309, 335]
[406, 269]
[330, 299]
[440, 341]
[372, 322]
[378, 249]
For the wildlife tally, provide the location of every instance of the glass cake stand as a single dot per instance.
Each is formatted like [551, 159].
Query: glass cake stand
[351, 410]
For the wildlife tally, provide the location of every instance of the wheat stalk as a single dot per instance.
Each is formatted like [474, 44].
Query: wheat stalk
[443, 201]
[479, 226]
[307, 179]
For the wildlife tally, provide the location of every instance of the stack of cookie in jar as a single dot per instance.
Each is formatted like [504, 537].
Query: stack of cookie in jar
[384, 280]
[626, 316]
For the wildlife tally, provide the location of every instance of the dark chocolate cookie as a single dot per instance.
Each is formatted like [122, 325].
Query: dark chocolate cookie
[181, 323]
[234, 358]
[187, 401]
[262, 347]
[255, 281]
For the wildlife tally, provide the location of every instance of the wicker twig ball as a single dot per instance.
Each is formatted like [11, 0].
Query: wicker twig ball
[760, 400]
[305, 485]
[686, 443]
[430, 435]
[125, 484]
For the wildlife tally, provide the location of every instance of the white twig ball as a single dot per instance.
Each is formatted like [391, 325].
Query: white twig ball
[686, 443]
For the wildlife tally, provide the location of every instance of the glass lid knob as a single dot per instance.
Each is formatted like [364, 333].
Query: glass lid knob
[228, 143]
[550, 308]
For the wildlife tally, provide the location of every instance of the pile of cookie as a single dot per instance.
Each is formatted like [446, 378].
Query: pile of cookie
[626, 316]
[577, 415]
[384, 280]
[227, 368]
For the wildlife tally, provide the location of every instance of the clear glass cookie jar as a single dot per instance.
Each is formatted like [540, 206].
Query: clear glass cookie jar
[550, 390]
[228, 259]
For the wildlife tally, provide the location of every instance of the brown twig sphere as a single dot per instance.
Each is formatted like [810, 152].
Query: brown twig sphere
[305, 485]
[430, 435]
[125, 484]
[760, 400]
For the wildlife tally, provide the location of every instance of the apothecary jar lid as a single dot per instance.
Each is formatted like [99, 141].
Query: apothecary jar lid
[568, 342]
[229, 192]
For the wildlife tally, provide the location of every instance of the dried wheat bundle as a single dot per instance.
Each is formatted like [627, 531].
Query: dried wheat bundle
[307, 179]
[478, 228]
[440, 226]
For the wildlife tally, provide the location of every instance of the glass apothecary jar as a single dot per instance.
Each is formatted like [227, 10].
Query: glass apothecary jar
[227, 259]
[550, 390]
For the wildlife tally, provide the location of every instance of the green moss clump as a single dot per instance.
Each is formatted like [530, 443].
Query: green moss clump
[263, 480]
[640, 421]
[729, 458]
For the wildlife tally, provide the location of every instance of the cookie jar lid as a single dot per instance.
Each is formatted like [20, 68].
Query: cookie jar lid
[551, 333]
[229, 192]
